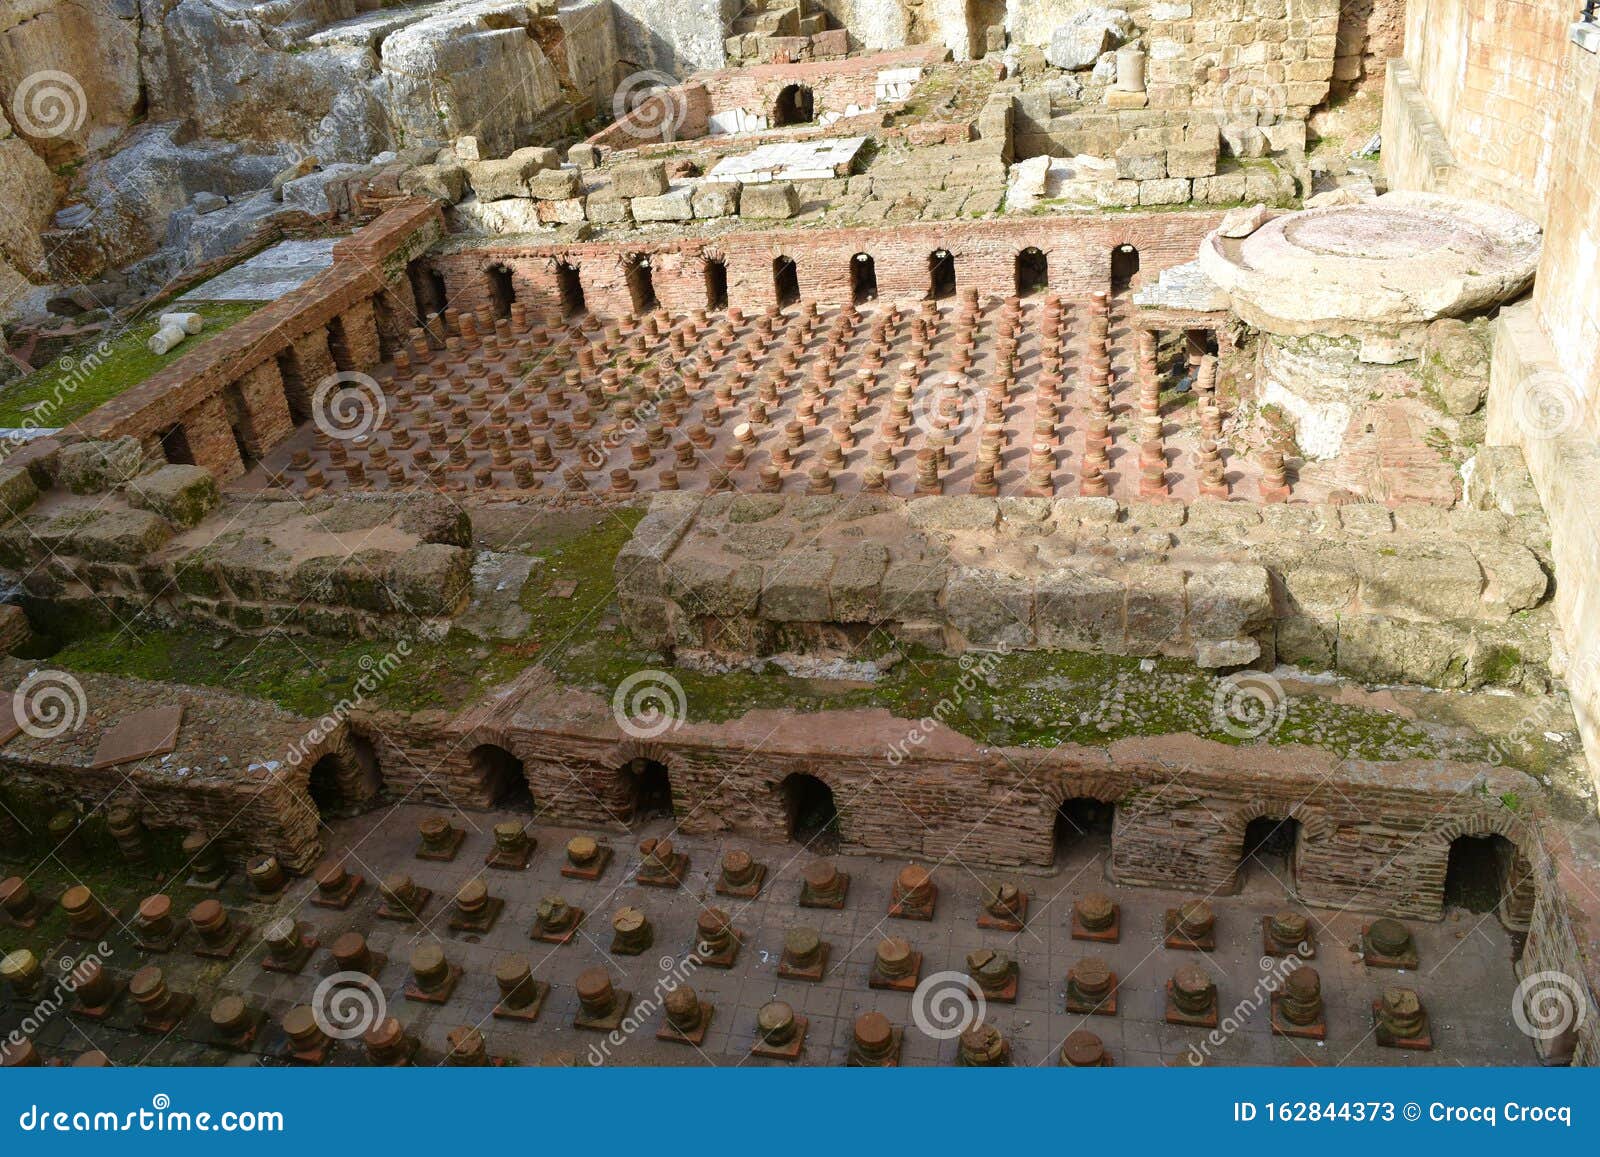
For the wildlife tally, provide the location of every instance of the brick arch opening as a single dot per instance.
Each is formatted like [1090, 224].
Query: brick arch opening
[502, 777]
[641, 283]
[502, 289]
[1124, 268]
[1270, 846]
[1032, 271]
[647, 788]
[716, 283]
[863, 279]
[785, 280]
[810, 810]
[569, 290]
[427, 288]
[1082, 826]
[796, 105]
[343, 781]
[941, 274]
[1502, 850]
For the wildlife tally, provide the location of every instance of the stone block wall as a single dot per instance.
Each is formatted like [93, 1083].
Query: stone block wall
[157, 545]
[1417, 595]
[1491, 74]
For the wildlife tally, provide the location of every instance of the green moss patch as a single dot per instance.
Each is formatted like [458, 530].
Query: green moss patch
[99, 369]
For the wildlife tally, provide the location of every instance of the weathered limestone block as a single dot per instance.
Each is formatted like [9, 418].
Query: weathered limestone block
[640, 179]
[555, 184]
[18, 491]
[1413, 580]
[777, 200]
[431, 579]
[446, 183]
[1080, 608]
[1080, 41]
[857, 578]
[716, 199]
[1172, 191]
[912, 592]
[1155, 610]
[797, 590]
[1516, 580]
[673, 205]
[708, 587]
[128, 536]
[181, 494]
[1459, 365]
[512, 176]
[1377, 649]
[1137, 161]
[989, 608]
[608, 210]
[961, 512]
[1229, 601]
[94, 467]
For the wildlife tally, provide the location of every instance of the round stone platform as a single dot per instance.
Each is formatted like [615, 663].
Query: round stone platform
[1405, 258]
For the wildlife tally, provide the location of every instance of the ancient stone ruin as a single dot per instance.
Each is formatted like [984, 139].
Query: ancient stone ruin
[788, 484]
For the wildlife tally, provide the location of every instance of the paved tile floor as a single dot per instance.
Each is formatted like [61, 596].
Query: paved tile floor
[1466, 978]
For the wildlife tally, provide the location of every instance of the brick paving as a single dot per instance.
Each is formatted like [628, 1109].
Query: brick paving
[1465, 976]
[760, 401]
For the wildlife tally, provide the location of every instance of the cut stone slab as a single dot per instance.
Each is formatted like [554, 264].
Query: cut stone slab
[153, 731]
[778, 201]
[495, 611]
[271, 274]
[791, 161]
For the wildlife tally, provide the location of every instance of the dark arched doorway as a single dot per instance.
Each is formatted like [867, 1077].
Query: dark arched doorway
[716, 283]
[326, 790]
[785, 280]
[649, 789]
[1124, 267]
[501, 776]
[1083, 827]
[641, 283]
[1032, 272]
[502, 291]
[570, 289]
[941, 274]
[795, 106]
[1269, 846]
[863, 279]
[427, 288]
[1479, 872]
[809, 806]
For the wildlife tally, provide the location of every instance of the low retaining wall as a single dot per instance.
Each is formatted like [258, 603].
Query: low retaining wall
[1448, 598]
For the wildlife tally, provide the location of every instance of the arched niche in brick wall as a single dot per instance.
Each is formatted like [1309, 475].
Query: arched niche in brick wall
[644, 770]
[1031, 271]
[941, 274]
[638, 275]
[863, 278]
[1262, 828]
[568, 285]
[502, 288]
[716, 277]
[1522, 875]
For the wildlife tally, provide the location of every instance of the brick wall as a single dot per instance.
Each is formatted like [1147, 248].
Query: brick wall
[1078, 249]
[189, 393]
